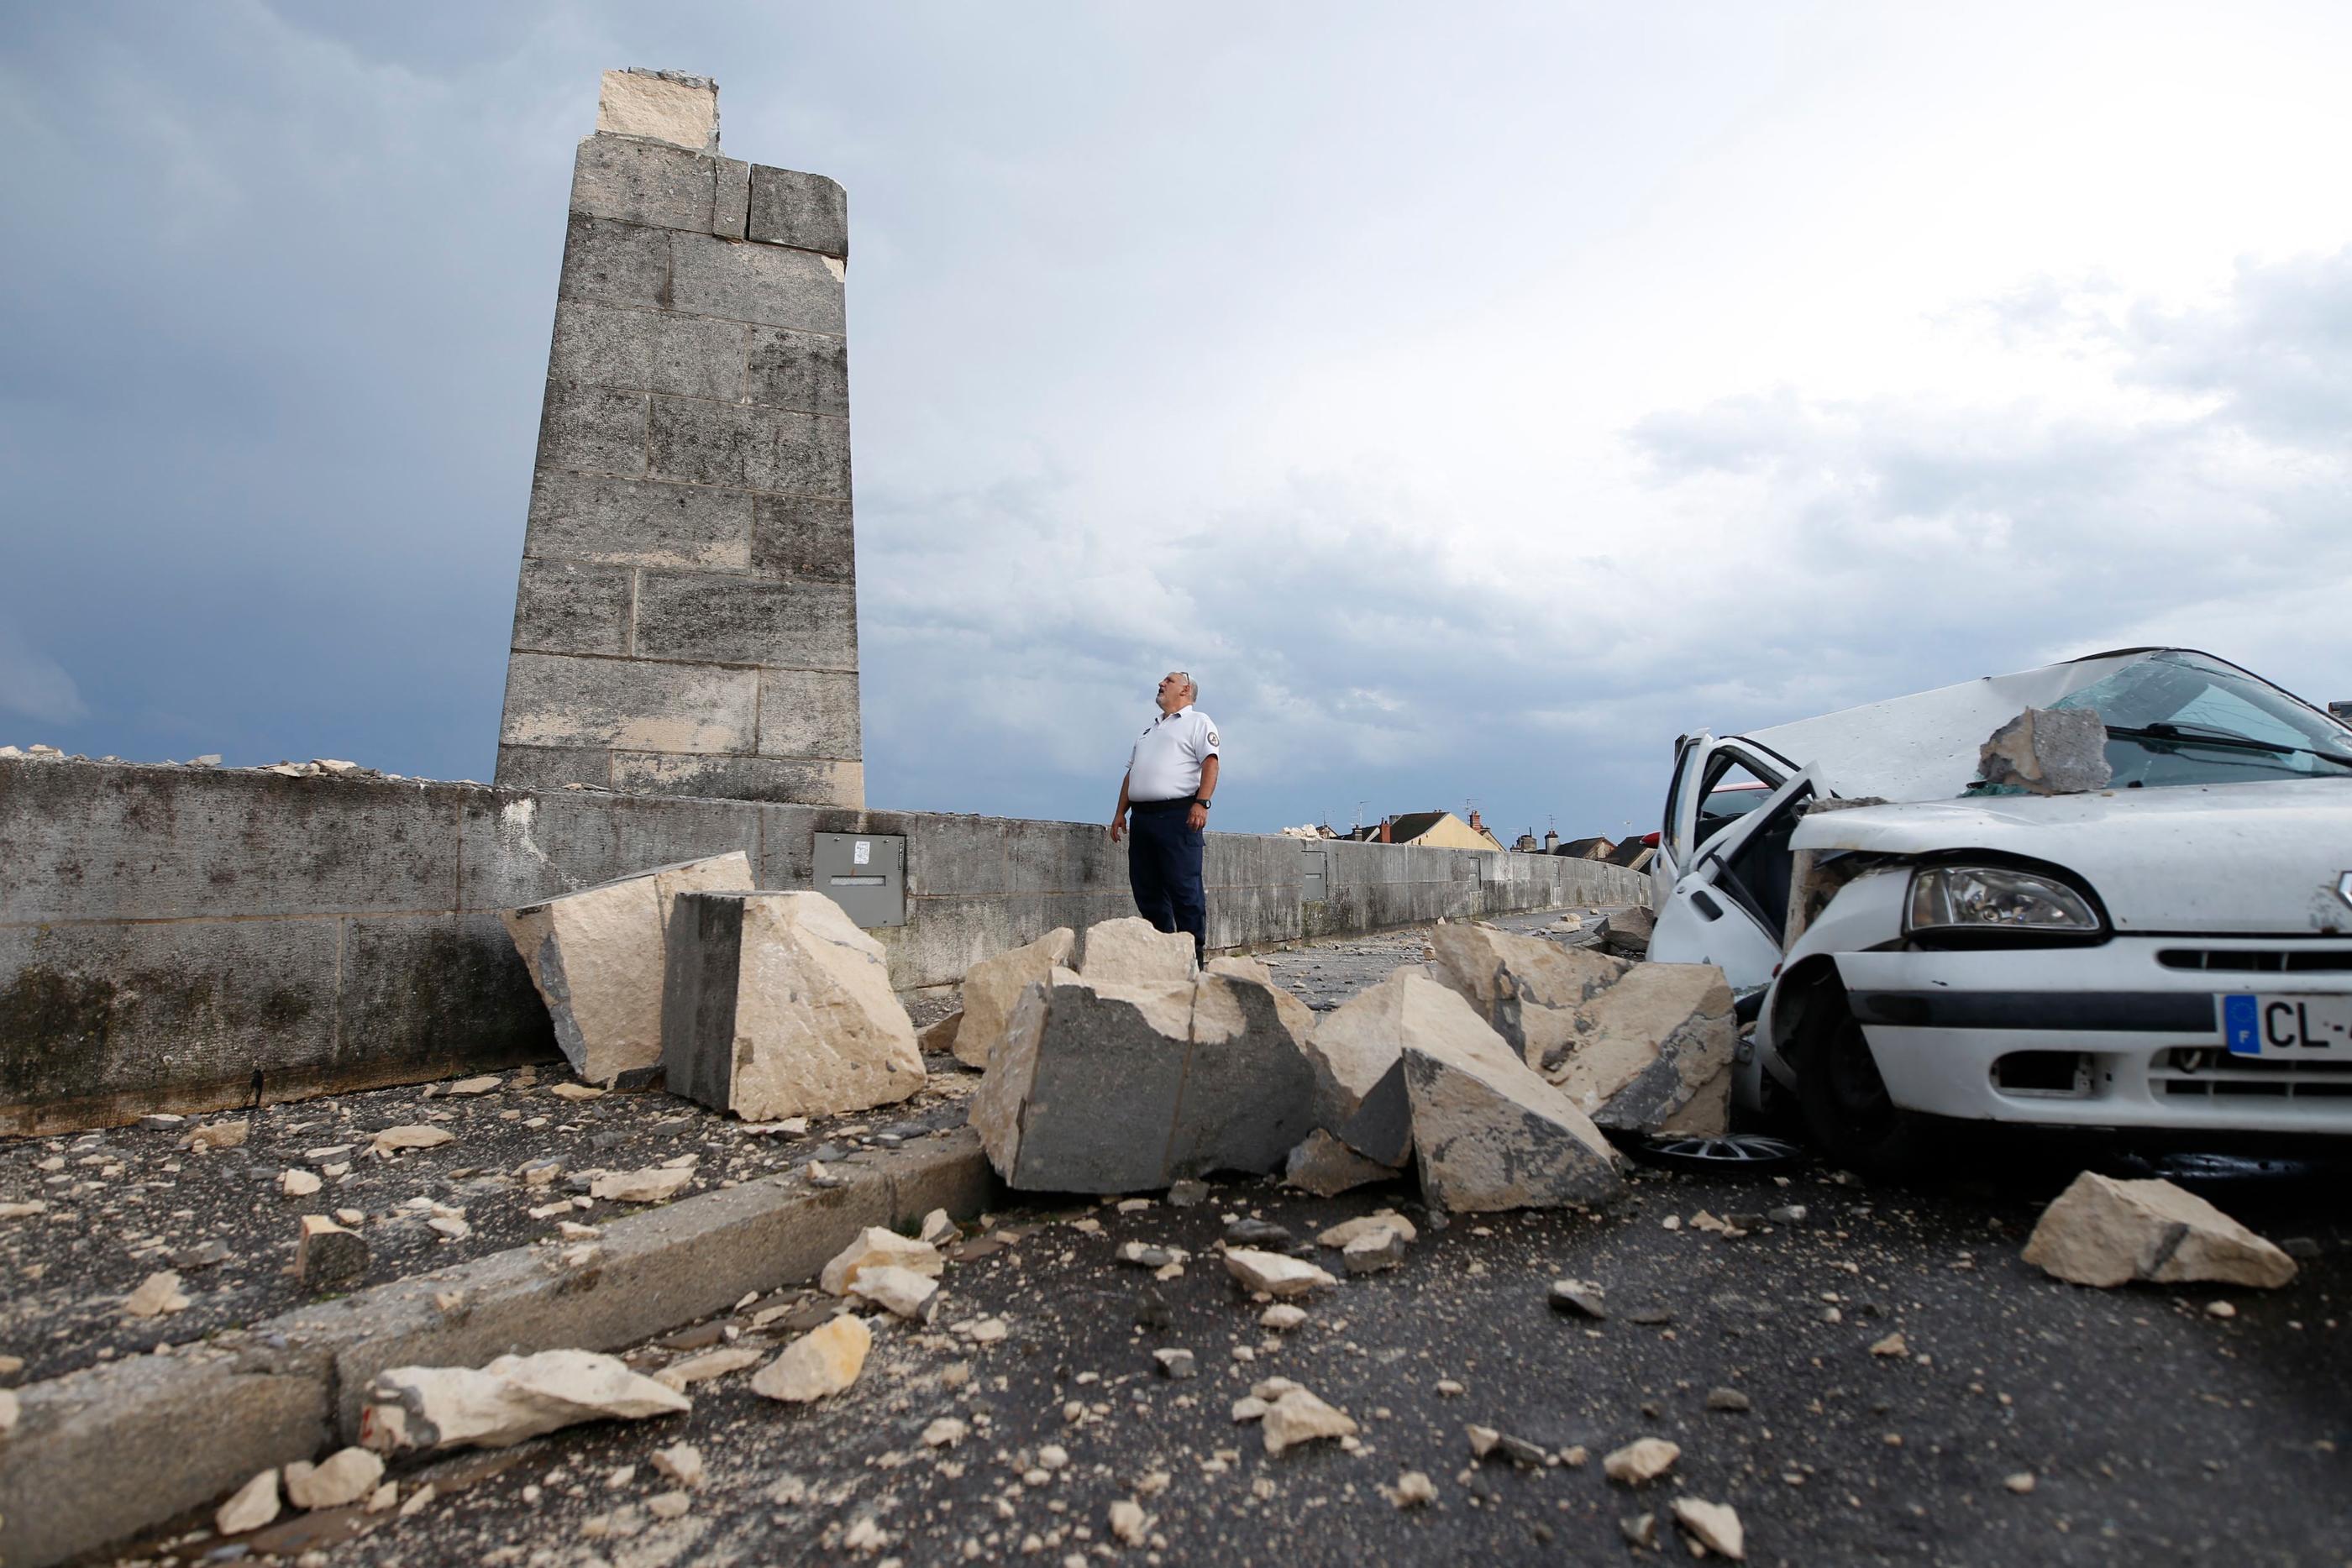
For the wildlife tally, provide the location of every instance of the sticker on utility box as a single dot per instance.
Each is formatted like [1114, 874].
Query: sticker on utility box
[864, 854]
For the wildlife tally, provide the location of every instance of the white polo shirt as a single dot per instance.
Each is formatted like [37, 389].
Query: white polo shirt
[1166, 762]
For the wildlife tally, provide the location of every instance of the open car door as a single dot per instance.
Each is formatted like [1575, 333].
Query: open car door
[1730, 907]
[1716, 782]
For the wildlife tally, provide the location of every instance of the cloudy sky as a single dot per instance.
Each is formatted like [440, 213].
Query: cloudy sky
[1475, 397]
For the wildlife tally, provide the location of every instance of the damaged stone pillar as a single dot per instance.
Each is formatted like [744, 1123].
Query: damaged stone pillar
[685, 623]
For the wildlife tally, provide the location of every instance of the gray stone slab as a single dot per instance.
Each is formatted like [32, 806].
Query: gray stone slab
[639, 181]
[615, 263]
[1247, 1098]
[555, 699]
[523, 849]
[734, 778]
[594, 429]
[102, 1454]
[649, 350]
[553, 767]
[804, 370]
[745, 620]
[808, 212]
[803, 455]
[101, 1022]
[804, 536]
[731, 202]
[952, 856]
[1097, 1097]
[809, 713]
[632, 522]
[787, 855]
[564, 607]
[434, 995]
[1063, 857]
[98, 841]
[757, 283]
[702, 977]
[707, 443]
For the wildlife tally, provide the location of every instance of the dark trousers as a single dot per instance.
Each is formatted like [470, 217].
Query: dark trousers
[1164, 861]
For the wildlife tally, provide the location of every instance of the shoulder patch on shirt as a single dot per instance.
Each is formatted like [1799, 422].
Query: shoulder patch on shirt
[1213, 737]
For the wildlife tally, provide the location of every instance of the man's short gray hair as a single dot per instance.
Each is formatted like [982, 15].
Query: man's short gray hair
[1191, 685]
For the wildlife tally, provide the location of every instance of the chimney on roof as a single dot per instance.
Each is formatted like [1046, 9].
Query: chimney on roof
[1475, 825]
[1551, 841]
[1387, 824]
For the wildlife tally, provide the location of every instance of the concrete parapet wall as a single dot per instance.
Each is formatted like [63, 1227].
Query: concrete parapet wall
[168, 934]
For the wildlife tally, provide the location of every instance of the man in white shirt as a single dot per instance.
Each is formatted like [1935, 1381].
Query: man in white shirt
[1170, 775]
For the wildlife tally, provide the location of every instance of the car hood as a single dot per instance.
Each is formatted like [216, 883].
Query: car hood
[2223, 858]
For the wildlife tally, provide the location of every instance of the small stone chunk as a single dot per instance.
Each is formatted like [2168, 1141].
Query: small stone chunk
[876, 1247]
[658, 1184]
[1713, 1525]
[1262, 1233]
[944, 1433]
[1298, 1417]
[1348, 1230]
[1639, 1530]
[1373, 1251]
[250, 1507]
[1893, 1344]
[1129, 1522]
[1730, 1401]
[668, 1504]
[711, 1363]
[822, 1362]
[157, 1294]
[1188, 1193]
[1282, 1316]
[326, 1255]
[218, 1136]
[902, 1292]
[298, 1183]
[1175, 1364]
[1274, 1273]
[1412, 1490]
[681, 1462]
[337, 1481]
[393, 1140]
[1577, 1296]
[1643, 1459]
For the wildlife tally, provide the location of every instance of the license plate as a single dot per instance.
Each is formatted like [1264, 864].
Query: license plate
[2288, 1027]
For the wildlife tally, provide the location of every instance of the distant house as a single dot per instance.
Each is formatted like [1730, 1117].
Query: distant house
[1595, 849]
[1440, 830]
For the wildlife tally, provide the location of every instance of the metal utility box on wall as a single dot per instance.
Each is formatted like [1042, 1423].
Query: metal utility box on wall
[1314, 880]
[866, 874]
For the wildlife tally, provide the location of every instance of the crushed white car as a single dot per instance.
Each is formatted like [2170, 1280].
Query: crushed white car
[2169, 952]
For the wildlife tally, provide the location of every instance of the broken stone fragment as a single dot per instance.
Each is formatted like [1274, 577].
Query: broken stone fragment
[1412, 1490]
[467, 1087]
[944, 1433]
[656, 1184]
[1275, 1274]
[217, 1135]
[1326, 1167]
[1713, 1525]
[992, 987]
[1298, 1417]
[1577, 1296]
[1129, 1523]
[250, 1507]
[1653, 1053]
[2048, 751]
[1527, 989]
[393, 1140]
[681, 1462]
[878, 1246]
[11, 1412]
[2101, 1231]
[1486, 1440]
[1729, 1401]
[902, 1292]
[938, 1037]
[775, 1004]
[822, 1362]
[1174, 1364]
[1282, 1317]
[938, 1228]
[327, 1256]
[298, 1183]
[512, 1399]
[711, 1363]
[660, 106]
[337, 1481]
[1488, 1134]
[157, 1294]
[1373, 1251]
[1348, 1230]
[1112, 1088]
[1627, 933]
[1357, 1051]
[1132, 951]
[1643, 1459]
[597, 957]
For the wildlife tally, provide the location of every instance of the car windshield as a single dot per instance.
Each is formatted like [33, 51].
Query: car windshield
[2180, 718]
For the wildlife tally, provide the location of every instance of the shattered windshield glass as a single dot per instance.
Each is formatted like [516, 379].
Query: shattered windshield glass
[2176, 717]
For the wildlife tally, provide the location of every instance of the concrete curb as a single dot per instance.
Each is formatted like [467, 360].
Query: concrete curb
[102, 1454]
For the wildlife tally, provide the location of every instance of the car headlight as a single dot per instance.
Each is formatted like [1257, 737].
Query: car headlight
[1995, 898]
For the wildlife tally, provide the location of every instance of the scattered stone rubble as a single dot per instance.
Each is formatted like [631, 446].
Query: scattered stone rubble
[2102, 1232]
[775, 1004]
[597, 957]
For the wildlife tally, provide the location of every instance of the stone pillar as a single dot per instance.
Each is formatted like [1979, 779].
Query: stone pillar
[686, 619]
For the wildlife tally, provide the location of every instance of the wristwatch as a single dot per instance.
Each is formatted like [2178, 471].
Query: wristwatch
[1200, 802]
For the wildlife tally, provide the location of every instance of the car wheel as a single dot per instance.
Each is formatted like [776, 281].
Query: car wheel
[1848, 1113]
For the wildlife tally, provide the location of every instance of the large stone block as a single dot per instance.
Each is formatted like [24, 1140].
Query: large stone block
[631, 522]
[808, 211]
[803, 370]
[731, 211]
[594, 429]
[661, 106]
[703, 443]
[555, 700]
[649, 350]
[774, 1004]
[617, 264]
[756, 283]
[1358, 1053]
[783, 780]
[802, 455]
[2101, 1231]
[1131, 951]
[525, 849]
[992, 988]
[633, 180]
[746, 621]
[804, 536]
[425, 995]
[1487, 1133]
[1525, 989]
[1109, 1087]
[808, 713]
[597, 958]
[553, 767]
[564, 607]
[1653, 1051]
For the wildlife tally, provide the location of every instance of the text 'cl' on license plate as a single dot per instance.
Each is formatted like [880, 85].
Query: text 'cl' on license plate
[2288, 1028]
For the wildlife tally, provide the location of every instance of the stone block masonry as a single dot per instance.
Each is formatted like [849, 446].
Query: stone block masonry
[685, 620]
[168, 934]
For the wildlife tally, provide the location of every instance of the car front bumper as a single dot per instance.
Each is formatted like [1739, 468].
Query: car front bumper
[2131, 1029]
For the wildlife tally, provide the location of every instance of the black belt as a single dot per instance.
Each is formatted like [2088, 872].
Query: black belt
[1158, 806]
